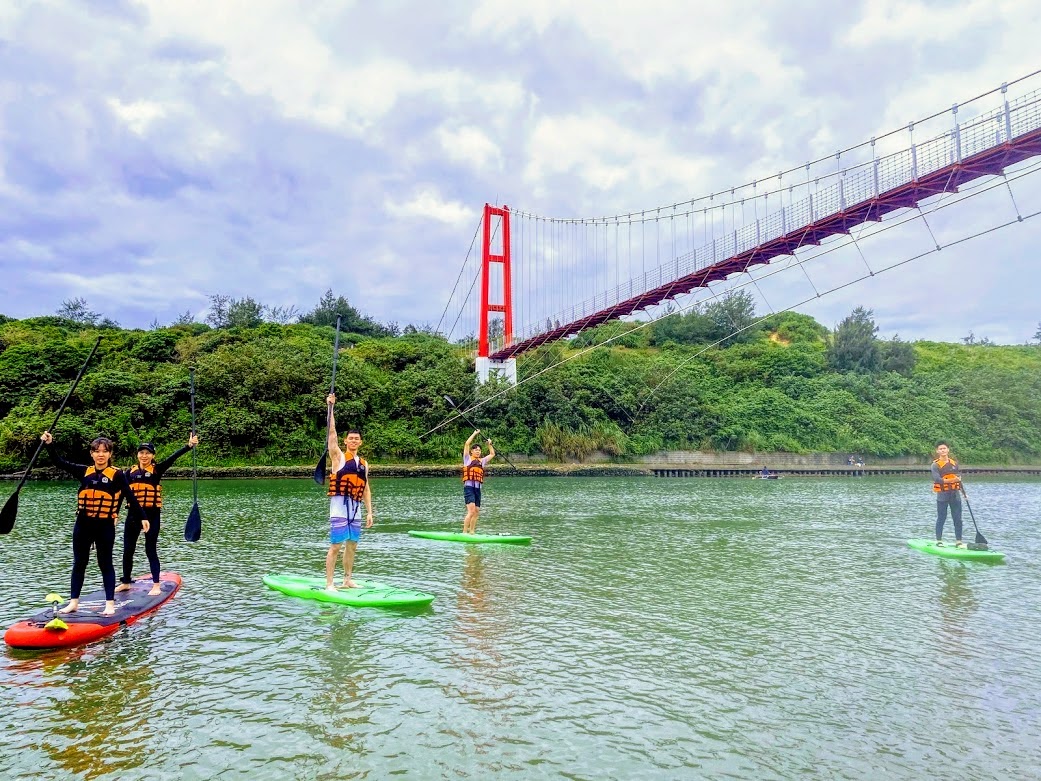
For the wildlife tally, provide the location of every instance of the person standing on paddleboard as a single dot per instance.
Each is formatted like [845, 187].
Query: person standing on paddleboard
[947, 485]
[348, 489]
[143, 480]
[102, 489]
[473, 479]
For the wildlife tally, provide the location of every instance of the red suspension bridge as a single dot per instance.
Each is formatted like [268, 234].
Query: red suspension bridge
[571, 274]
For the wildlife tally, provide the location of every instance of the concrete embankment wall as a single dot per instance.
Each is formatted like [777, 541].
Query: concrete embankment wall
[677, 463]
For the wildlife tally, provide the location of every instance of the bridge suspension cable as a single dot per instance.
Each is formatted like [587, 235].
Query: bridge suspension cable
[573, 273]
[947, 200]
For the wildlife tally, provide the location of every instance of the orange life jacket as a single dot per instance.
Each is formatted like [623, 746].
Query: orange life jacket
[474, 471]
[99, 497]
[145, 486]
[350, 480]
[949, 479]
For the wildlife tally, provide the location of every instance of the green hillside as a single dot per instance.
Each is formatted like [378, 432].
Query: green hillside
[783, 384]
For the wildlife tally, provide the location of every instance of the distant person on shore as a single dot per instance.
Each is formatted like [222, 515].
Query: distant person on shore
[348, 489]
[947, 485]
[473, 479]
[102, 489]
[144, 480]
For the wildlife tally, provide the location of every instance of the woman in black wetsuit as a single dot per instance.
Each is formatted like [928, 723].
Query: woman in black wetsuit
[102, 489]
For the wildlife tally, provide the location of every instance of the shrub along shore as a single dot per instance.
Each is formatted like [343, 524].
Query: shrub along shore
[786, 385]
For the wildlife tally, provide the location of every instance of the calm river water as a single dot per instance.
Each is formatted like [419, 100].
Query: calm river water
[658, 629]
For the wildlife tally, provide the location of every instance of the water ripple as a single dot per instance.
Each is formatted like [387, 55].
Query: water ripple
[655, 629]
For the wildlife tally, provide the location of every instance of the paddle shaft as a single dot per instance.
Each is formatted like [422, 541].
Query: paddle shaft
[319, 470]
[57, 417]
[193, 526]
[476, 427]
[191, 401]
[979, 537]
[332, 385]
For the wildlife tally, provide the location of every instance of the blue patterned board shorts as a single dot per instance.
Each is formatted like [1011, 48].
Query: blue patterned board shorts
[343, 530]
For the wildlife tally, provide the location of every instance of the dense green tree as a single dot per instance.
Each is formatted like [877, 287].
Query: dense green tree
[261, 391]
[329, 306]
[853, 347]
[897, 356]
[245, 313]
[77, 311]
[220, 303]
[732, 315]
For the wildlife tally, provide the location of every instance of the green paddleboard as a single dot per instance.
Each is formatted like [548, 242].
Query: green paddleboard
[368, 594]
[512, 539]
[948, 551]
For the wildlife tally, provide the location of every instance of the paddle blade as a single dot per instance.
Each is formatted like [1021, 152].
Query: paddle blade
[9, 513]
[980, 539]
[319, 471]
[193, 527]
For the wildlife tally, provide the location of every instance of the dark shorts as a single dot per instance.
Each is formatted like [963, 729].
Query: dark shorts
[472, 495]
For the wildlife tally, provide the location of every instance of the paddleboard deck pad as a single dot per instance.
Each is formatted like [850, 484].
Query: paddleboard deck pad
[509, 539]
[949, 551]
[87, 624]
[368, 594]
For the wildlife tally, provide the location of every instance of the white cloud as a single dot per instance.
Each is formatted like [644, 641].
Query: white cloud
[238, 142]
[138, 115]
[470, 146]
[886, 21]
[427, 203]
[605, 155]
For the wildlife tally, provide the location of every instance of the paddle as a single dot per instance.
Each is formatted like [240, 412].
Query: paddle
[10, 511]
[980, 539]
[471, 423]
[193, 526]
[55, 623]
[319, 471]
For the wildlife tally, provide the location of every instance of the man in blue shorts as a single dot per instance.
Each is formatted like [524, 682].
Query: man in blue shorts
[348, 489]
[473, 478]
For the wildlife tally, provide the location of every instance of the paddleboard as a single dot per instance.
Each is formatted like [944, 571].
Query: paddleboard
[87, 624]
[368, 594]
[511, 539]
[948, 551]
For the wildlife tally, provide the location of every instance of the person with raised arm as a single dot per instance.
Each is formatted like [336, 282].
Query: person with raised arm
[144, 480]
[473, 479]
[102, 490]
[349, 488]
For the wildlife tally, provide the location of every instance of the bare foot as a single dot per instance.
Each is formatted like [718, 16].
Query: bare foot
[330, 588]
[110, 609]
[348, 584]
[155, 591]
[123, 587]
[72, 607]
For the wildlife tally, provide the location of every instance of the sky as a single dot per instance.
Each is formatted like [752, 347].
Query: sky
[155, 153]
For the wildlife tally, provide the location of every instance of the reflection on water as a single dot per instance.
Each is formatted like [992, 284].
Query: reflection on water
[473, 624]
[957, 606]
[655, 629]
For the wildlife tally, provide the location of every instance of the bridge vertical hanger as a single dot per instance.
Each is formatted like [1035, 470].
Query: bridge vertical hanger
[486, 366]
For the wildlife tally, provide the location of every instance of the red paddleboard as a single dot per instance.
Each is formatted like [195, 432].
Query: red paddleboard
[87, 624]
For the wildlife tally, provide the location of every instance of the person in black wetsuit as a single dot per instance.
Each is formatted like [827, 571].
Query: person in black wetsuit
[144, 480]
[102, 489]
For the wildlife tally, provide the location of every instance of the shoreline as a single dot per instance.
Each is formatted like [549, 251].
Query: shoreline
[662, 469]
